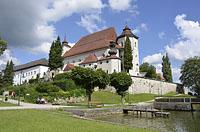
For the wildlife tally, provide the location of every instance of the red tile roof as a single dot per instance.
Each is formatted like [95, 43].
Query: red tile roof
[90, 59]
[94, 41]
[109, 57]
[69, 67]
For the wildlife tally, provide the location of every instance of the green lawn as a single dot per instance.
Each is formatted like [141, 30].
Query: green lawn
[113, 98]
[5, 104]
[54, 121]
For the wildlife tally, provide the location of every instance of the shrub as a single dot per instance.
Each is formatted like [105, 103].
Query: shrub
[46, 88]
[65, 85]
[63, 76]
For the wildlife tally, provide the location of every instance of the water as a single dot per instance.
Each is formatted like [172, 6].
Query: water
[177, 121]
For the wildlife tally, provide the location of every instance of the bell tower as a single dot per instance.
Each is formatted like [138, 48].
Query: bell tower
[65, 46]
[134, 46]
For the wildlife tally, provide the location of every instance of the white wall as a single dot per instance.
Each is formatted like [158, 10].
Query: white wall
[30, 73]
[135, 53]
[141, 85]
[76, 59]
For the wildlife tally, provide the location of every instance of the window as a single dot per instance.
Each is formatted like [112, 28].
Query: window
[101, 62]
[89, 64]
[107, 61]
[135, 44]
[137, 64]
[34, 72]
[103, 55]
[122, 44]
[114, 70]
[73, 61]
[79, 60]
[84, 65]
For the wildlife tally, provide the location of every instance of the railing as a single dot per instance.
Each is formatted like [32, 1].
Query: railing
[173, 99]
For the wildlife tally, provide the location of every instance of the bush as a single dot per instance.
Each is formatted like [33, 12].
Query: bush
[63, 76]
[65, 85]
[46, 88]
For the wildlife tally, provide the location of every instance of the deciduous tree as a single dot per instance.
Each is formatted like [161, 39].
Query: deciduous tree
[89, 79]
[190, 74]
[121, 81]
[3, 45]
[149, 69]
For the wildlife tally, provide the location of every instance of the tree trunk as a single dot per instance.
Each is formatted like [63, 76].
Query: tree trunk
[89, 99]
[122, 100]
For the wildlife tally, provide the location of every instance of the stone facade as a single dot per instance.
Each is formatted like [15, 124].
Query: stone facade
[142, 85]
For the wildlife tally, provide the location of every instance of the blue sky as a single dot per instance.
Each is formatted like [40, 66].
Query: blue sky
[164, 26]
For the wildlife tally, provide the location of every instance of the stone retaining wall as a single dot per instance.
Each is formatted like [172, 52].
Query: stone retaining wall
[173, 106]
[142, 85]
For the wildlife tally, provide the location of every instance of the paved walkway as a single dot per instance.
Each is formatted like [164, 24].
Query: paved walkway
[30, 106]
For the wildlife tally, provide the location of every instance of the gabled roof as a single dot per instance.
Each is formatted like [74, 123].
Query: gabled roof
[69, 67]
[40, 62]
[127, 32]
[94, 41]
[109, 57]
[90, 59]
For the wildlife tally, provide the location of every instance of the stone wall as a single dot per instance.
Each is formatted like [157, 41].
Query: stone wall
[173, 106]
[142, 85]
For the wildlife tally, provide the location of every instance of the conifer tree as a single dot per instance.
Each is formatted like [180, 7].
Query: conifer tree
[8, 74]
[128, 55]
[166, 69]
[55, 55]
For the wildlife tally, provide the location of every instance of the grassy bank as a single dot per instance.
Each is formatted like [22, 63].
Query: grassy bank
[114, 98]
[5, 104]
[54, 121]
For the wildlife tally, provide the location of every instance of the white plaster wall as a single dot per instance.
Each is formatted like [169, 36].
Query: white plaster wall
[104, 65]
[115, 65]
[76, 59]
[30, 73]
[135, 53]
[141, 85]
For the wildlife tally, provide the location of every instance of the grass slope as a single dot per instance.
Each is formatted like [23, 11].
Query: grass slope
[5, 104]
[113, 98]
[54, 121]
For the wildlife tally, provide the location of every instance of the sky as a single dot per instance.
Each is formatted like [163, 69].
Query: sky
[163, 26]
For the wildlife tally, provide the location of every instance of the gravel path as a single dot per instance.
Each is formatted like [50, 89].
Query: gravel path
[30, 106]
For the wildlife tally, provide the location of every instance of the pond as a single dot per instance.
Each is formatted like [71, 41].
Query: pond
[178, 121]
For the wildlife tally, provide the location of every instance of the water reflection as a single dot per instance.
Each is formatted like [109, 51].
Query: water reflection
[177, 121]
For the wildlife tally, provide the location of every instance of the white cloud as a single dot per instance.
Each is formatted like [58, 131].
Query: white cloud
[188, 44]
[153, 59]
[124, 5]
[29, 24]
[65, 8]
[120, 5]
[176, 72]
[143, 27]
[89, 22]
[161, 35]
[7, 56]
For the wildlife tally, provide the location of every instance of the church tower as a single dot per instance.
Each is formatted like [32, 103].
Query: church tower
[65, 46]
[134, 45]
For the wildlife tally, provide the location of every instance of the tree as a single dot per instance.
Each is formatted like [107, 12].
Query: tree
[190, 74]
[55, 55]
[121, 81]
[89, 79]
[149, 69]
[128, 55]
[166, 69]
[1, 82]
[8, 74]
[3, 46]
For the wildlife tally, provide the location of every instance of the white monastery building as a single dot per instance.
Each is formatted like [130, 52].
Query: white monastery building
[103, 49]
[23, 73]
